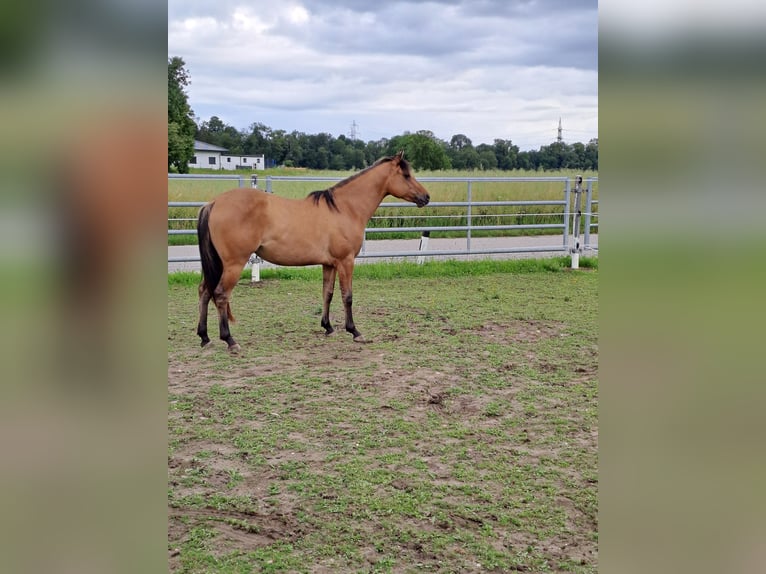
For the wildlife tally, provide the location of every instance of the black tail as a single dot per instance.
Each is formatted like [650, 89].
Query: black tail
[212, 267]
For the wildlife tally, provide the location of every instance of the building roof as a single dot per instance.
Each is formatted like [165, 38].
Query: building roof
[203, 146]
[256, 155]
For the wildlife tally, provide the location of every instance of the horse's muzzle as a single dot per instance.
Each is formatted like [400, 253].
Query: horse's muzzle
[422, 200]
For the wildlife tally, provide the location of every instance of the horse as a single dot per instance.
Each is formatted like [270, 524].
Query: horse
[324, 228]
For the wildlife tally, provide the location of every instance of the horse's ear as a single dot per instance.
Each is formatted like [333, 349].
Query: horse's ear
[400, 155]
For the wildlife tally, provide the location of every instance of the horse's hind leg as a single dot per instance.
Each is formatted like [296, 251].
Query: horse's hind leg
[204, 300]
[222, 297]
[328, 286]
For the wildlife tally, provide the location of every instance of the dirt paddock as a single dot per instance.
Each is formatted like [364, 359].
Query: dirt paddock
[462, 437]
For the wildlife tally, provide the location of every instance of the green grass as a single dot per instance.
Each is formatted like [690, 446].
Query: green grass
[461, 437]
[392, 218]
[448, 268]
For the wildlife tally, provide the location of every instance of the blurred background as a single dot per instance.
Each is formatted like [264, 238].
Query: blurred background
[682, 91]
[82, 286]
[83, 280]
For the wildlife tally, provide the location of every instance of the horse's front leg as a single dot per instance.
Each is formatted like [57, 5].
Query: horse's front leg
[345, 274]
[328, 286]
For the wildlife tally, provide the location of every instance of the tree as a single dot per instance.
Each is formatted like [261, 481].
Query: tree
[487, 157]
[212, 127]
[578, 152]
[257, 141]
[461, 153]
[524, 162]
[558, 155]
[279, 147]
[216, 132]
[294, 155]
[591, 154]
[470, 158]
[460, 141]
[505, 153]
[422, 150]
[375, 150]
[181, 126]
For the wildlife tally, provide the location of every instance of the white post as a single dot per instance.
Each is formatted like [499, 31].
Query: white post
[423, 246]
[575, 250]
[255, 272]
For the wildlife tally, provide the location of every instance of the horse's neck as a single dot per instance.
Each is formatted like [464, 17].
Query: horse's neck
[362, 197]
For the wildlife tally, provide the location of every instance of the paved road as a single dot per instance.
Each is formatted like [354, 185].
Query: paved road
[400, 245]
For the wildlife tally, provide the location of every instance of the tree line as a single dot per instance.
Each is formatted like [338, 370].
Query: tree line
[324, 151]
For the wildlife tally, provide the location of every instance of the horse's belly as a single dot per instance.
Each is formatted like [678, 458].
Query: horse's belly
[281, 254]
[295, 245]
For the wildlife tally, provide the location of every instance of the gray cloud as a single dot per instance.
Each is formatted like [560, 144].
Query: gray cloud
[485, 68]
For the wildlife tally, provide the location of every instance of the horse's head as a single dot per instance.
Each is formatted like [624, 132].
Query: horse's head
[403, 185]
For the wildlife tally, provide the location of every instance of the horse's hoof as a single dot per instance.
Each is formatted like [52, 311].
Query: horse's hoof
[359, 339]
[329, 333]
[235, 348]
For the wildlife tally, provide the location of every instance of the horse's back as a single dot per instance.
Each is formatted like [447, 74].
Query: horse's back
[239, 198]
[281, 230]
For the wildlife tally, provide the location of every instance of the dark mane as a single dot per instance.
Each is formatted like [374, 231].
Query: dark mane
[327, 195]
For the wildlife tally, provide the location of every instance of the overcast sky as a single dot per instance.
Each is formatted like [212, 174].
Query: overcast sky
[484, 68]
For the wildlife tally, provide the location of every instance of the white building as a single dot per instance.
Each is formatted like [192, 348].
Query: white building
[206, 155]
[215, 157]
[242, 161]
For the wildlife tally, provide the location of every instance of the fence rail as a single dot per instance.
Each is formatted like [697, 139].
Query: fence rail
[568, 220]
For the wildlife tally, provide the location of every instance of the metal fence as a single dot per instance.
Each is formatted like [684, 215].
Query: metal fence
[561, 217]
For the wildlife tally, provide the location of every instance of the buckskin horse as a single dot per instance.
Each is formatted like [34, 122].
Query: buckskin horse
[325, 228]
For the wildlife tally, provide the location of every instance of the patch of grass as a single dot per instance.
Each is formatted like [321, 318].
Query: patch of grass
[448, 268]
[186, 278]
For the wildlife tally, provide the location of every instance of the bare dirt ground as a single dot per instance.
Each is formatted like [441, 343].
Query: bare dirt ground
[453, 441]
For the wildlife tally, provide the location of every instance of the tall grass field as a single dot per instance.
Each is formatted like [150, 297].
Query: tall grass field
[400, 217]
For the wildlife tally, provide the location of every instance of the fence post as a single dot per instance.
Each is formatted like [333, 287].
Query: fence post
[565, 235]
[576, 249]
[423, 246]
[268, 184]
[469, 217]
[241, 181]
[255, 272]
[588, 208]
